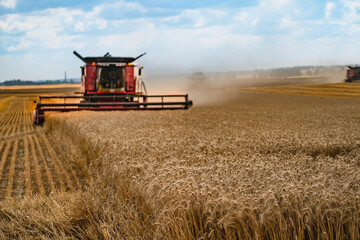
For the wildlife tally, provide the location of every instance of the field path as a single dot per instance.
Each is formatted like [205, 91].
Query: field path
[30, 160]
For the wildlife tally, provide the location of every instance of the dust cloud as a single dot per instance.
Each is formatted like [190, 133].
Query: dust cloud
[212, 88]
[209, 93]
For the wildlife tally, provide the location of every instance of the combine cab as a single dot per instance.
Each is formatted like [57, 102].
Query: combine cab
[198, 81]
[353, 74]
[109, 83]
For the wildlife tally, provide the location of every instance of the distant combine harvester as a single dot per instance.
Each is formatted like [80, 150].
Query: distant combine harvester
[353, 74]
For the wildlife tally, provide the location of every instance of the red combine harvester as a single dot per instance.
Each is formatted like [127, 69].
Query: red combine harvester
[353, 74]
[109, 83]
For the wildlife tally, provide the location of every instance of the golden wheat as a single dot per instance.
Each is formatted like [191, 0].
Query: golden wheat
[264, 166]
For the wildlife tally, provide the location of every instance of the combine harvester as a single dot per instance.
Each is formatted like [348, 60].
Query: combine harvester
[353, 74]
[109, 83]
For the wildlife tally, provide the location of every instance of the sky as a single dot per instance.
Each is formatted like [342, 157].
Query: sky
[37, 37]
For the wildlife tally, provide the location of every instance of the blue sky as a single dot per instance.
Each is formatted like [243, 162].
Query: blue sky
[37, 37]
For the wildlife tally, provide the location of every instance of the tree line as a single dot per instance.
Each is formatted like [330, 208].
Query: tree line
[18, 82]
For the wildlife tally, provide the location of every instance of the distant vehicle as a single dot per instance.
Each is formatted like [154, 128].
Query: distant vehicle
[353, 74]
[198, 80]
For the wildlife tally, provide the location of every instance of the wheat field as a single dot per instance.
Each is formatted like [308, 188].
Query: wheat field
[257, 166]
[248, 166]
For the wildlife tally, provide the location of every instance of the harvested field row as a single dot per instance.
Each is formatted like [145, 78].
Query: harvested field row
[4, 102]
[31, 163]
[321, 90]
[16, 119]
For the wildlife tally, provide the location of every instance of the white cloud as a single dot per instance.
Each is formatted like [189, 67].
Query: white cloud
[51, 39]
[275, 3]
[22, 45]
[100, 24]
[353, 5]
[46, 19]
[255, 21]
[351, 13]
[123, 6]
[200, 21]
[16, 23]
[287, 22]
[120, 7]
[241, 17]
[8, 3]
[51, 28]
[329, 7]
[198, 17]
[79, 27]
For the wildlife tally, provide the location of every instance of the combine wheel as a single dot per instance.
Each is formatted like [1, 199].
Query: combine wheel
[38, 117]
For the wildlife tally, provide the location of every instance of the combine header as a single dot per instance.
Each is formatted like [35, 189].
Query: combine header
[109, 83]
